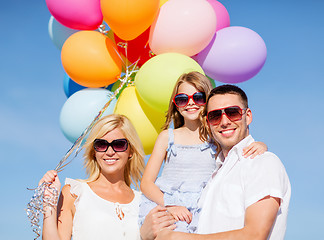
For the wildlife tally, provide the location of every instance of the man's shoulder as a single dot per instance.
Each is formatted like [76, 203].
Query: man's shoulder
[264, 161]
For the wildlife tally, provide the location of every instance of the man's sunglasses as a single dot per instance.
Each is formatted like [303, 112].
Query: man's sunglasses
[233, 113]
[118, 145]
[182, 99]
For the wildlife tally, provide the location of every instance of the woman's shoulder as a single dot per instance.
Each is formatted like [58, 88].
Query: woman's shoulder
[73, 187]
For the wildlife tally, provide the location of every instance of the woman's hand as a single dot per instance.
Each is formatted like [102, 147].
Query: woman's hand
[180, 213]
[51, 191]
[254, 149]
[52, 178]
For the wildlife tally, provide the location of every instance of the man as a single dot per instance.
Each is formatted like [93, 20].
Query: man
[245, 198]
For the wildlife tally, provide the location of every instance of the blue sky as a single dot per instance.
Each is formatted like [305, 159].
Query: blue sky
[285, 98]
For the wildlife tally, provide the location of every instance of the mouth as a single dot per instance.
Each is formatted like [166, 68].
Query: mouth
[227, 132]
[110, 161]
[192, 109]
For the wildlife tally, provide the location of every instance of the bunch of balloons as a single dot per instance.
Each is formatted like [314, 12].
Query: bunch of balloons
[134, 51]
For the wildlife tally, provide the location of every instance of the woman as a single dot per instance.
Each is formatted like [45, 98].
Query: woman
[102, 206]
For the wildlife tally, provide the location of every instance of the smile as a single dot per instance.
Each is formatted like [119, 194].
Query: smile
[192, 109]
[227, 132]
[111, 161]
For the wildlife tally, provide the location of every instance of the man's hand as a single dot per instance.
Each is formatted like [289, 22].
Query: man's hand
[155, 221]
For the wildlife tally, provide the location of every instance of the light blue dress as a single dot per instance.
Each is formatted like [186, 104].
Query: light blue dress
[186, 172]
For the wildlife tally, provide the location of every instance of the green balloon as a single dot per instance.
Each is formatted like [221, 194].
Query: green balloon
[155, 80]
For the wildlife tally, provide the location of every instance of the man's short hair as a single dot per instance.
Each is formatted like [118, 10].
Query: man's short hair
[229, 89]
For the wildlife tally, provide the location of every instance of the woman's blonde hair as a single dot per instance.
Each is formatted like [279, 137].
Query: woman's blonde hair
[200, 82]
[135, 165]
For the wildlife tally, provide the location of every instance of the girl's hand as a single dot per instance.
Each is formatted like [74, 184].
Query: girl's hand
[180, 213]
[254, 149]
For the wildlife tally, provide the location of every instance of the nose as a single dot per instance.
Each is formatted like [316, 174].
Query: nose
[191, 101]
[110, 151]
[224, 120]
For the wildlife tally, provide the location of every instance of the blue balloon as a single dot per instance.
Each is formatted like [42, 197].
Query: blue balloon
[58, 32]
[81, 108]
[70, 86]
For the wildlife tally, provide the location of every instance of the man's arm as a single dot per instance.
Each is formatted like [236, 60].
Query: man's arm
[259, 218]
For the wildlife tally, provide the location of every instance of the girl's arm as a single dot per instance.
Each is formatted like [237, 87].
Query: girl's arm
[58, 228]
[148, 187]
[254, 149]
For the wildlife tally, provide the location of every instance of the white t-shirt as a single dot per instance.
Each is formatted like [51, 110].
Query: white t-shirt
[239, 183]
[96, 218]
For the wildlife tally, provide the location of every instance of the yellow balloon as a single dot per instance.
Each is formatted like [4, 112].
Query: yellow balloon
[162, 2]
[91, 59]
[147, 121]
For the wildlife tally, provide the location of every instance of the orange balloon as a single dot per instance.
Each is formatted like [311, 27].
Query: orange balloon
[129, 18]
[91, 59]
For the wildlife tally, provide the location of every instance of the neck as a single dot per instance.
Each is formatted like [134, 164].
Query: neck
[111, 180]
[192, 125]
[225, 150]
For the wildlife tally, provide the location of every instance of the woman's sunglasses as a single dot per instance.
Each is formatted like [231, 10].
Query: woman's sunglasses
[233, 113]
[118, 145]
[182, 99]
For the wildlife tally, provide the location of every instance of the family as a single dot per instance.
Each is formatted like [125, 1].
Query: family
[217, 182]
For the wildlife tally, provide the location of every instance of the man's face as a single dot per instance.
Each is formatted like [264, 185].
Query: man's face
[228, 133]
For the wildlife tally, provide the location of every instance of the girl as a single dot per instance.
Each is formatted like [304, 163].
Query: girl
[103, 206]
[189, 161]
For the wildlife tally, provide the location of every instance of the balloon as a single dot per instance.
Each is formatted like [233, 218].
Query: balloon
[136, 50]
[129, 18]
[147, 121]
[235, 55]
[156, 78]
[76, 14]
[58, 32]
[81, 108]
[183, 26]
[162, 2]
[70, 86]
[91, 59]
[222, 16]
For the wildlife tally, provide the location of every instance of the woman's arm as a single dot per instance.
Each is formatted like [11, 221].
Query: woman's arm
[148, 187]
[57, 222]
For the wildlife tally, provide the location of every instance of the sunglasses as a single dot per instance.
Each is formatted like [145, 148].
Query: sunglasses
[233, 113]
[182, 99]
[118, 145]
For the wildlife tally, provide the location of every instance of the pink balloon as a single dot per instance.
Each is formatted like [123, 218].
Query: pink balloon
[222, 16]
[183, 26]
[235, 55]
[76, 14]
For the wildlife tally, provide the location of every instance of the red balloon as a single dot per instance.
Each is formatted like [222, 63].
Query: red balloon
[138, 49]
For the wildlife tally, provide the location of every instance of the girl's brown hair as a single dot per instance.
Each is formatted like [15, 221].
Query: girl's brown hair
[200, 82]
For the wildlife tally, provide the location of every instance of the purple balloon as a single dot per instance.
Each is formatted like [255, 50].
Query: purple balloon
[235, 54]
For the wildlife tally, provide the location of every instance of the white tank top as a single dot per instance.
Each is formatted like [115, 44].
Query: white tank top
[98, 219]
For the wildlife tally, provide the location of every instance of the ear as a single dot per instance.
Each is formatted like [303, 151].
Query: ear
[248, 116]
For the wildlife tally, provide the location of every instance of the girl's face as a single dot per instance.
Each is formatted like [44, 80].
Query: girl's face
[113, 162]
[191, 110]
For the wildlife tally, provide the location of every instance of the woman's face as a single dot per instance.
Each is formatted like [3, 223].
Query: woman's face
[191, 110]
[112, 162]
